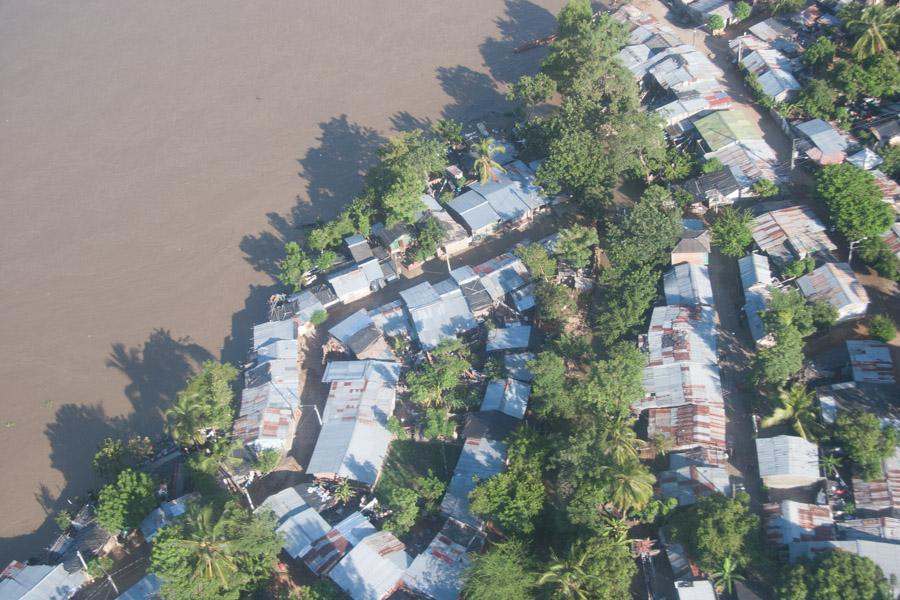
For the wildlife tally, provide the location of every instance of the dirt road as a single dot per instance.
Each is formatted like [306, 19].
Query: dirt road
[154, 157]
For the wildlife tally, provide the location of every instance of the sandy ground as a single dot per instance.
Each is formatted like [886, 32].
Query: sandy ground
[153, 158]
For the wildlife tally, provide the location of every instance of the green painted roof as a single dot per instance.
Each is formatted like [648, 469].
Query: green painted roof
[725, 127]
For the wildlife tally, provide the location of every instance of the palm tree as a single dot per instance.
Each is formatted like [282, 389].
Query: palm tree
[875, 26]
[569, 577]
[485, 165]
[796, 408]
[621, 442]
[727, 574]
[631, 487]
[830, 464]
[207, 538]
[184, 422]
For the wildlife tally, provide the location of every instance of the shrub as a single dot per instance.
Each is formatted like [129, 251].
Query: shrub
[319, 317]
[715, 24]
[882, 328]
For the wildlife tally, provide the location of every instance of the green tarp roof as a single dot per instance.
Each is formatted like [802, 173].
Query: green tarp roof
[725, 127]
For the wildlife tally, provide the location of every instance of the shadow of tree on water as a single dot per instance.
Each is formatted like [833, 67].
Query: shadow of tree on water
[522, 22]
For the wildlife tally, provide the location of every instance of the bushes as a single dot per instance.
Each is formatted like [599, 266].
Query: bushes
[882, 328]
[732, 231]
[854, 201]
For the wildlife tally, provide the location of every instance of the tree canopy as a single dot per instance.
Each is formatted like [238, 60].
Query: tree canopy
[864, 440]
[292, 267]
[732, 231]
[836, 575]
[717, 527]
[206, 403]
[429, 384]
[505, 571]
[854, 201]
[537, 260]
[122, 505]
[575, 245]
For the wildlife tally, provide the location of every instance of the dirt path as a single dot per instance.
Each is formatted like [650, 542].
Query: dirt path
[149, 170]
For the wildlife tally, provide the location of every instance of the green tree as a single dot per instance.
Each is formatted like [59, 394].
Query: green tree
[438, 424]
[569, 577]
[205, 404]
[732, 231]
[63, 520]
[514, 498]
[485, 165]
[835, 575]
[554, 303]
[537, 260]
[505, 571]
[429, 385]
[647, 234]
[343, 493]
[830, 464]
[726, 575]
[431, 489]
[882, 328]
[876, 252]
[824, 315]
[891, 164]
[816, 99]
[715, 528]
[326, 260]
[575, 245]
[715, 24]
[318, 317]
[783, 7]
[875, 77]
[124, 504]
[788, 310]
[267, 460]
[713, 165]
[873, 29]
[854, 201]
[431, 236]
[215, 553]
[865, 442]
[449, 130]
[742, 10]
[800, 267]
[797, 408]
[763, 188]
[678, 165]
[819, 55]
[292, 267]
[110, 458]
[549, 389]
[625, 299]
[532, 90]
[631, 486]
[776, 364]
[404, 506]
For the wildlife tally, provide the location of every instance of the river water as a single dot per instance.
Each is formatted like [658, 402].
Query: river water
[154, 156]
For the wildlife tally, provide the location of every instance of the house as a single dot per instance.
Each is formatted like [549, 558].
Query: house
[147, 588]
[873, 397]
[719, 188]
[438, 316]
[692, 248]
[871, 362]
[500, 192]
[884, 554]
[822, 143]
[301, 307]
[788, 521]
[299, 524]
[680, 334]
[273, 331]
[502, 275]
[439, 572]
[773, 70]
[523, 299]
[359, 248]
[723, 128]
[477, 297]
[391, 320]
[516, 365]
[354, 438]
[756, 277]
[754, 159]
[456, 239]
[267, 417]
[475, 213]
[357, 281]
[329, 549]
[892, 237]
[697, 589]
[890, 190]
[874, 529]
[373, 569]
[513, 337]
[689, 425]
[164, 515]
[887, 132]
[880, 496]
[680, 384]
[836, 284]
[688, 284]
[509, 396]
[481, 458]
[693, 102]
[787, 232]
[686, 480]
[359, 334]
[780, 36]
[787, 461]
[865, 159]
[524, 186]
[19, 581]
[396, 239]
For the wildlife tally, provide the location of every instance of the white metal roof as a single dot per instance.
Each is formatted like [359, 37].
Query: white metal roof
[299, 523]
[509, 396]
[688, 284]
[787, 455]
[373, 569]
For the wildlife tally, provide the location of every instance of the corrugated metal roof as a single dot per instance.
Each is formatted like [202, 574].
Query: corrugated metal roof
[689, 425]
[887, 528]
[39, 582]
[359, 248]
[373, 569]
[755, 271]
[789, 521]
[278, 350]
[354, 438]
[419, 295]
[391, 319]
[302, 306]
[266, 333]
[871, 362]
[356, 322]
[439, 572]
[865, 159]
[787, 455]
[164, 515]
[680, 334]
[836, 284]
[754, 158]
[508, 396]
[690, 482]
[502, 275]
[516, 365]
[695, 589]
[480, 459]
[680, 383]
[829, 142]
[436, 318]
[329, 549]
[786, 232]
[475, 211]
[146, 588]
[688, 284]
[525, 187]
[267, 416]
[514, 337]
[500, 192]
[298, 523]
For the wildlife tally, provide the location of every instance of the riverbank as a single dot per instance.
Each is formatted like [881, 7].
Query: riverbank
[149, 175]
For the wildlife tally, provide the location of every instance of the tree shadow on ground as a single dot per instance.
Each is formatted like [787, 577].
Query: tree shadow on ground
[523, 22]
[156, 370]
